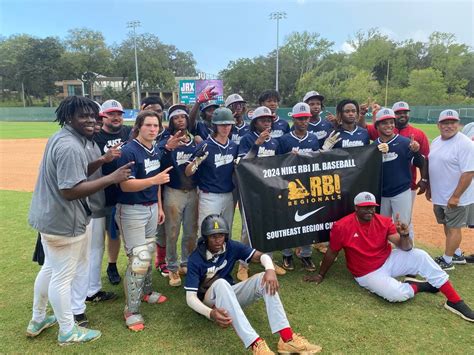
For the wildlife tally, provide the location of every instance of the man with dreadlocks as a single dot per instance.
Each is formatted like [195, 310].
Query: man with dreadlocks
[62, 189]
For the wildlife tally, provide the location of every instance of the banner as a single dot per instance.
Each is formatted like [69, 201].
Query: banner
[293, 200]
[189, 89]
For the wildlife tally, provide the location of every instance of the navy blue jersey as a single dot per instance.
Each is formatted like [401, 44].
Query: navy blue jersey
[267, 149]
[201, 269]
[321, 130]
[202, 130]
[292, 143]
[215, 173]
[105, 141]
[147, 164]
[358, 137]
[178, 159]
[163, 135]
[238, 132]
[396, 166]
[279, 128]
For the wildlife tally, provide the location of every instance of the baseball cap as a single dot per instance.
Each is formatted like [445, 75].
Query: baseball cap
[231, 99]
[311, 94]
[365, 199]
[384, 114]
[400, 106]
[112, 106]
[301, 109]
[210, 103]
[261, 111]
[177, 112]
[448, 115]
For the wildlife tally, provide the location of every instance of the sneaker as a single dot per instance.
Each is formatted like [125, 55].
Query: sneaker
[183, 270]
[422, 286]
[81, 320]
[242, 273]
[443, 264]
[469, 259]
[321, 247]
[288, 263]
[459, 259]
[260, 347]
[297, 345]
[102, 296]
[163, 269]
[461, 309]
[175, 279]
[35, 329]
[78, 335]
[279, 270]
[114, 276]
[308, 264]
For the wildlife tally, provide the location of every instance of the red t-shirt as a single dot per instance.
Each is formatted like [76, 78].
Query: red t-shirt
[365, 244]
[407, 131]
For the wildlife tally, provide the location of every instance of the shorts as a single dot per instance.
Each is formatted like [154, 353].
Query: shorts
[451, 217]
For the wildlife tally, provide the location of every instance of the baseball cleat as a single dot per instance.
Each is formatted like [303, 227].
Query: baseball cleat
[78, 335]
[461, 309]
[163, 269]
[35, 328]
[459, 259]
[297, 345]
[422, 286]
[279, 270]
[443, 264]
[260, 347]
[81, 320]
[102, 296]
[114, 276]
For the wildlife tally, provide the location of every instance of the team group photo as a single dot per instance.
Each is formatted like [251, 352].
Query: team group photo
[312, 199]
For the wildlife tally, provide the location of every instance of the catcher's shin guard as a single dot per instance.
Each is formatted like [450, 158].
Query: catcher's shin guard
[147, 286]
[138, 264]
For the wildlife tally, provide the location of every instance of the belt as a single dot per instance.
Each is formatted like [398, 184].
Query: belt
[147, 203]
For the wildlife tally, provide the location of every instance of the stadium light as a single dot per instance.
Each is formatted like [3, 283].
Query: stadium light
[277, 15]
[134, 24]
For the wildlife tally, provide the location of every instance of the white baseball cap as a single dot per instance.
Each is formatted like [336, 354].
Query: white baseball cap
[177, 112]
[365, 199]
[262, 111]
[311, 94]
[384, 114]
[400, 106]
[112, 106]
[301, 109]
[448, 115]
[231, 99]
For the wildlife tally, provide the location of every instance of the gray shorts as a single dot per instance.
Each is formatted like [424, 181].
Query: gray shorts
[451, 217]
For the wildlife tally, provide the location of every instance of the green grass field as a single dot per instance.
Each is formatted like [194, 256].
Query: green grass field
[19, 130]
[337, 314]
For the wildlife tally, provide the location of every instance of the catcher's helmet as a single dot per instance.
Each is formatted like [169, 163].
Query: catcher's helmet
[214, 224]
[222, 115]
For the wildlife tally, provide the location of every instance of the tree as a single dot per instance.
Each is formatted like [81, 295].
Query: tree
[426, 87]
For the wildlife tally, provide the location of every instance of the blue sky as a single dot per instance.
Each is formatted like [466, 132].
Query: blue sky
[217, 32]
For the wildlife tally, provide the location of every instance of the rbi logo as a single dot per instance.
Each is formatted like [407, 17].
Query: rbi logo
[321, 189]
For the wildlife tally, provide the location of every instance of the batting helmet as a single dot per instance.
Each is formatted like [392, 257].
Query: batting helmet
[208, 104]
[222, 115]
[214, 224]
[231, 99]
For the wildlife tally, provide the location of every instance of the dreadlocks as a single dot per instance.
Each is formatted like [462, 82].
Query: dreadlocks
[70, 105]
[340, 108]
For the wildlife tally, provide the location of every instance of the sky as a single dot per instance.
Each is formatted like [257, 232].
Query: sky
[217, 32]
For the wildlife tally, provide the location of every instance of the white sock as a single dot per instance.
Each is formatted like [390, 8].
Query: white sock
[448, 259]
[458, 252]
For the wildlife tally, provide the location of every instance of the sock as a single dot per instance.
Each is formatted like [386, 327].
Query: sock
[415, 288]
[286, 334]
[448, 259]
[448, 290]
[112, 266]
[255, 341]
[458, 252]
[161, 255]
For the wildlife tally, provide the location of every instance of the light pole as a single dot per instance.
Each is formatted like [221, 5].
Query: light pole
[134, 24]
[278, 15]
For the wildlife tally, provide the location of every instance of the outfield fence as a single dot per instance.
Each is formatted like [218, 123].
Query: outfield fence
[418, 114]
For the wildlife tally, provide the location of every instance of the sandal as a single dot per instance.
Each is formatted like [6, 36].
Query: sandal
[134, 321]
[154, 297]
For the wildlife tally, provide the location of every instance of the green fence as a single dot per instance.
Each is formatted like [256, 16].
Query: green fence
[418, 114]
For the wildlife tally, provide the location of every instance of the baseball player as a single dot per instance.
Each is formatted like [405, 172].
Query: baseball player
[61, 190]
[111, 137]
[451, 171]
[351, 135]
[236, 104]
[205, 104]
[316, 125]
[271, 99]
[299, 141]
[154, 103]
[138, 212]
[210, 289]
[213, 164]
[396, 177]
[365, 237]
[180, 199]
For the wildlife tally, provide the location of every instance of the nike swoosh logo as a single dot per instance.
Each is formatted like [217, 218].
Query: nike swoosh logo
[299, 218]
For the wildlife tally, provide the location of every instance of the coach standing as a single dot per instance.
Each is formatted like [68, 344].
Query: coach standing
[451, 170]
[62, 190]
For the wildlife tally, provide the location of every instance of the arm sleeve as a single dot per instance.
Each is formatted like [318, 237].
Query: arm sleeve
[71, 166]
[194, 303]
